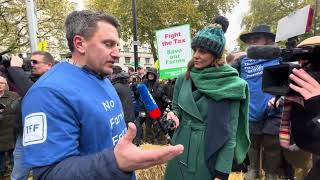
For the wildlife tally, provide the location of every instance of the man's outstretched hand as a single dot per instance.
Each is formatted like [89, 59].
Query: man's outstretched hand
[130, 157]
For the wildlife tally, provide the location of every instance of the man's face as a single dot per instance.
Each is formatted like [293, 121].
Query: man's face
[258, 40]
[38, 65]
[102, 49]
[151, 76]
[141, 71]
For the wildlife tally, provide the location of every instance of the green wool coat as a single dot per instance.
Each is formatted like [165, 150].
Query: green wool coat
[191, 108]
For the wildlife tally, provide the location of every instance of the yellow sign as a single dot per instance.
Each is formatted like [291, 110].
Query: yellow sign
[156, 65]
[42, 46]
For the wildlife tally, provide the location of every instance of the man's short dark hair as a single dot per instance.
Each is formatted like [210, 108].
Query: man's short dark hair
[84, 23]
[47, 57]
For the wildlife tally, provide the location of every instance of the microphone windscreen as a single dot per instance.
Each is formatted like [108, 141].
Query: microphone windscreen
[263, 52]
[148, 101]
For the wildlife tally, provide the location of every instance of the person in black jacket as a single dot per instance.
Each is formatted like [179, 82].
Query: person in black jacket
[8, 115]
[157, 92]
[119, 81]
[305, 115]
[41, 62]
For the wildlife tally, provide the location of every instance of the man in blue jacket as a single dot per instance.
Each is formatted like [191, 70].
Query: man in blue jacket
[264, 121]
[73, 120]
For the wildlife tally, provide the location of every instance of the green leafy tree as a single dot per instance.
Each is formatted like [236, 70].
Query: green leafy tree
[14, 35]
[270, 12]
[158, 14]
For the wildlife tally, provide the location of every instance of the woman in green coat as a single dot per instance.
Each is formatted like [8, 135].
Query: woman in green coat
[210, 108]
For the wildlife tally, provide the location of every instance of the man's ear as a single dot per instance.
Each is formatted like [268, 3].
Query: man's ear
[79, 44]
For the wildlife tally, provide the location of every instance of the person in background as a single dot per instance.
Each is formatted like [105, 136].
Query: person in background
[234, 57]
[41, 62]
[9, 113]
[264, 121]
[141, 73]
[120, 81]
[130, 70]
[153, 135]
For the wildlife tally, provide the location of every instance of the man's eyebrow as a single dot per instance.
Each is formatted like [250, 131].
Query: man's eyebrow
[111, 41]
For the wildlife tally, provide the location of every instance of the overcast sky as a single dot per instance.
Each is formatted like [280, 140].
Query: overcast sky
[234, 17]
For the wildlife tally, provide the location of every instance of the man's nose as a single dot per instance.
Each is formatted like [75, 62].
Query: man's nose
[116, 53]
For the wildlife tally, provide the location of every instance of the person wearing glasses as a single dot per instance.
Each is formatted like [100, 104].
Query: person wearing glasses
[41, 62]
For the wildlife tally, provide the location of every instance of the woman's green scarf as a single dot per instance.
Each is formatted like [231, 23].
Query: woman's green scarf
[224, 83]
[219, 83]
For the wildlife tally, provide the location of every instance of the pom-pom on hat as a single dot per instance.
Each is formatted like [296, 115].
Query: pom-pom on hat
[223, 21]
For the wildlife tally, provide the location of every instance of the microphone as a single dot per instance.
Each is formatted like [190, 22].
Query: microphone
[263, 52]
[148, 101]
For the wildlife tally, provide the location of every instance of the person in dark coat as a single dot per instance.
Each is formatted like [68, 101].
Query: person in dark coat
[119, 81]
[169, 87]
[304, 114]
[8, 114]
[156, 90]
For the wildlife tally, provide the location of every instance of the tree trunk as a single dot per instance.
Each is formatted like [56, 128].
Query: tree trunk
[153, 48]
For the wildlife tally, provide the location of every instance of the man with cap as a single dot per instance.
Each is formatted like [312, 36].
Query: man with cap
[263, 121]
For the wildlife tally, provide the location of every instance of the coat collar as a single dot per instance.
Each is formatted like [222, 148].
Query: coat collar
[186, 100]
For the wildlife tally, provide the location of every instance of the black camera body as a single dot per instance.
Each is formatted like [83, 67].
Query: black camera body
[167, 124]
[276, 79]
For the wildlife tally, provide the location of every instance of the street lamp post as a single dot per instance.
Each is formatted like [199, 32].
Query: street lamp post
[135, 39]
[32, 24]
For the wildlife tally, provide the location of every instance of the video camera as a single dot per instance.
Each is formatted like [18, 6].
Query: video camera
[5, 61]
[276, 78]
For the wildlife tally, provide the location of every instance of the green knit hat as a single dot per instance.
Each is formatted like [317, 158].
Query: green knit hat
[210, 38]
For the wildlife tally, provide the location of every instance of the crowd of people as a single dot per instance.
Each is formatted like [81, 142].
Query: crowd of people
[84, 119]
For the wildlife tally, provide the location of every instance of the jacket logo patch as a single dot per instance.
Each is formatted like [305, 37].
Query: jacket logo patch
[34, 129]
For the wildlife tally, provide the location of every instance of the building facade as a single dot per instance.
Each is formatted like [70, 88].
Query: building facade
[145, 58]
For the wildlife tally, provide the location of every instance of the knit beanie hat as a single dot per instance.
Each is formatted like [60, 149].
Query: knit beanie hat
[211, 38]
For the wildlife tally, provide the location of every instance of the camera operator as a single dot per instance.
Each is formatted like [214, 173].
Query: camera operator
[156, 90]
[305, 115]
[41, 62]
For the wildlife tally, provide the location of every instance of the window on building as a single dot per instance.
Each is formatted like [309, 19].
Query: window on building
[146, 49]
[125, 48]
[138, 60]
[127, 60]
[147, 60]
